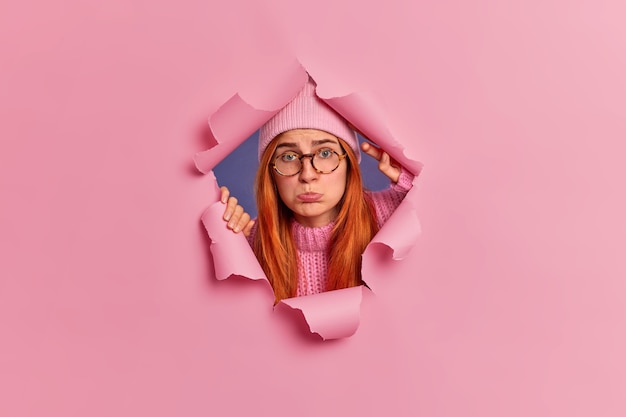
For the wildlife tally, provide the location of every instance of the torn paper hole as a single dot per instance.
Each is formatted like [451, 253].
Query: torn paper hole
[333, 314]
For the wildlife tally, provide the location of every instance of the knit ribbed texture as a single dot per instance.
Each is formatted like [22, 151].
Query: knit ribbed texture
[312, 242]
[307, 111]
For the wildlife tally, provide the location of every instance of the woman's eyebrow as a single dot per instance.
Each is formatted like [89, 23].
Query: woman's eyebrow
[291, 145]
[323, 141]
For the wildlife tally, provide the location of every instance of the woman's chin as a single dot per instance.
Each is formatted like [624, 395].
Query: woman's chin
[313, 218]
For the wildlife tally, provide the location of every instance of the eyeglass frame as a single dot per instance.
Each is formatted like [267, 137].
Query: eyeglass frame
[312, 156]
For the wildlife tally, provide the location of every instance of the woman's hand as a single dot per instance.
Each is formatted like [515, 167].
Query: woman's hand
[386, 164]
[238, 220]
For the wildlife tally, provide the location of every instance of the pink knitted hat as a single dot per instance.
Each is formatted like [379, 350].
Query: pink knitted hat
[307, 111]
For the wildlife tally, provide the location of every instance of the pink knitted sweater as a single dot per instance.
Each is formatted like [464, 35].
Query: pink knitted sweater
[312, 242]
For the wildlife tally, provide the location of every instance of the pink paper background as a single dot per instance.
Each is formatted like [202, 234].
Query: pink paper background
[511, 304]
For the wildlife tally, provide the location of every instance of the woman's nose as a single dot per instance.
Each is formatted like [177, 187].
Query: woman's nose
[307, 173]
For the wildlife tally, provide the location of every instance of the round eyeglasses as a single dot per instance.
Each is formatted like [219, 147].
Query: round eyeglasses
[323, 161]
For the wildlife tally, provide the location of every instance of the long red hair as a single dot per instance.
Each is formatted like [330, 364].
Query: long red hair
[355, 226]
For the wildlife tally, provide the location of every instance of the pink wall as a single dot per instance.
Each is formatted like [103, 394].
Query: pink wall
[511, 304]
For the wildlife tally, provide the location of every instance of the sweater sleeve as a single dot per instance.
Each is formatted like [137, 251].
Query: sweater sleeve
[387, 201]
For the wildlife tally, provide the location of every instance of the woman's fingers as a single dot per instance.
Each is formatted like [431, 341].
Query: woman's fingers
[235, 216]
[231, 206]
[225, 193]
[386, 165]
[248, 228]
[372, 151]
[239, 220]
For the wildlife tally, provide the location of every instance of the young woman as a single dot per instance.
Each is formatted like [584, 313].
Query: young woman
[314, 216]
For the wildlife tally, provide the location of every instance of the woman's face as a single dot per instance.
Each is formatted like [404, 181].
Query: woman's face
[312, 196]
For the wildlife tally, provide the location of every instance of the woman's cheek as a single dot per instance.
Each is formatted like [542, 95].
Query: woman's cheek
[286, 192]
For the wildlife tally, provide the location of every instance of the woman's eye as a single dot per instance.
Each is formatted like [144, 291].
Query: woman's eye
[289, 157]
[325, 153]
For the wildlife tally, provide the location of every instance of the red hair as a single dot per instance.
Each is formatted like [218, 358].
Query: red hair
[355, 226]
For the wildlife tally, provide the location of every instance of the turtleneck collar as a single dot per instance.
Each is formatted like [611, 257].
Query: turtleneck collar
[311, 239]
